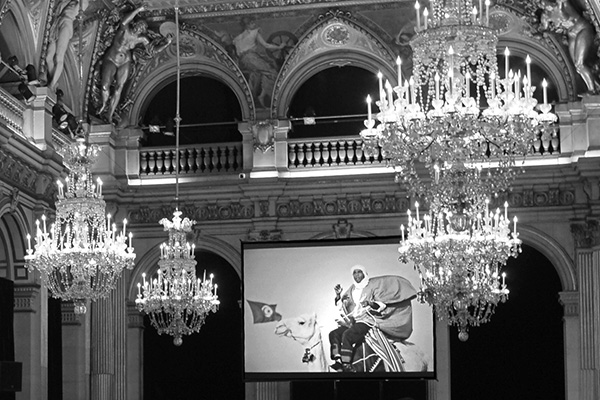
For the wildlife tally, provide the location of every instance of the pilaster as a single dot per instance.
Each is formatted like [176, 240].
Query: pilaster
[37, 119]
[587, 236]
[76, 353]
[570, 302]
[31, 344]
[135, 352]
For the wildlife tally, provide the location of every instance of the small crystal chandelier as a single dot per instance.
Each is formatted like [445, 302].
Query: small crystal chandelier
[82, 255]
[177, 302]
[458, 255]
[455, 114]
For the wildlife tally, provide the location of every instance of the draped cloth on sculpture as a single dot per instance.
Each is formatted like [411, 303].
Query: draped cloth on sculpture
[396, 293]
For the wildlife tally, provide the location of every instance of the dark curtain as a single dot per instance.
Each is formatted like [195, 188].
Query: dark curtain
[55, 389]
[7, 336]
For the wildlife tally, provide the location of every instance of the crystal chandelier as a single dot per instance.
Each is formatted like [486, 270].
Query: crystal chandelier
[458, 255]
[82, 255]
[177, 302]
[455, 115]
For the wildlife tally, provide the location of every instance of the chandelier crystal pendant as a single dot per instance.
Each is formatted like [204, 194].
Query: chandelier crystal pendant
[81, 255]
[458, 255]
[455, 112]
[176, 301]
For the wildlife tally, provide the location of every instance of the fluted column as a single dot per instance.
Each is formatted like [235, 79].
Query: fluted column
[587, 235]
[109, 346]
[268, 391]
[103, 356]
[439, 389]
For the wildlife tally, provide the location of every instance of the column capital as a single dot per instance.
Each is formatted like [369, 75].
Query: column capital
[586, 233]
[135, 319]
[570, 302]
[25, 297]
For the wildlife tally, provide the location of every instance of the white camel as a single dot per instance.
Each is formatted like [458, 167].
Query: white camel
[305, 330]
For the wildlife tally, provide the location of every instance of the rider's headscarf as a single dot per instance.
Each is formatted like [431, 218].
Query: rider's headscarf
[360, 285]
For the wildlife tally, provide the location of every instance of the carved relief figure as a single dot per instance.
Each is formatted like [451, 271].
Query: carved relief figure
[117, 62]
[256, 65]
[562, 17]
[60, 36]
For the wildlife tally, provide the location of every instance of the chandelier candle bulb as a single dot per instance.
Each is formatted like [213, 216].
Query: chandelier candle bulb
[399, 69]
[468, 83]
[388, 88]
[437, 85]
[528, 63]
[417, 208]
[417, 7]
[545, 90]
[487, 12]
[369, 112]
[506, 63]
[515, 228]
[425, 17]
[480, 11]
[380, 79]
[474, 15]
[506, 210]
[99, 187]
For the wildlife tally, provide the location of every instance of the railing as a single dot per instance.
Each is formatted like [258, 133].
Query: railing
[11, 112]
[196, 159]
[348, 152]
[330, 152]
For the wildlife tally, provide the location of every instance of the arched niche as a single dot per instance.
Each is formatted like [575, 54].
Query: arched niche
[12, 226]
[554, 252]
[148, 264]
[337, 41]
[208, 59]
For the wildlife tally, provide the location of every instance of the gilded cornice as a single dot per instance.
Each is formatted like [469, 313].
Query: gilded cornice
[334, 205]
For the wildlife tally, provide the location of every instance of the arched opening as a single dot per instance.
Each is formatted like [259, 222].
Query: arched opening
[519, 354]
[208, 363]
[336, 99]
[209, 112]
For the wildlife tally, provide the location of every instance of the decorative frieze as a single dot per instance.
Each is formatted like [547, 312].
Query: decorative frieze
[18, 173]
[341, 204]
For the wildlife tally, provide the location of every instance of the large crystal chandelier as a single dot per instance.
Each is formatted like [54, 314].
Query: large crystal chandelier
[454, 132]
[455, 114]
[458, 255]
[81, 255]
[177, 302]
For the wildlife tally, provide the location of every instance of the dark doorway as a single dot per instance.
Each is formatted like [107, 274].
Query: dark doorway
[519, 354]
[208, 365]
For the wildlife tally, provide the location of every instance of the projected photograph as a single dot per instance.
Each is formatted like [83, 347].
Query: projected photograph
[333, 309]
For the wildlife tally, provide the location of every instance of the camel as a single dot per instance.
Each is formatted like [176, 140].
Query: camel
[305, 330]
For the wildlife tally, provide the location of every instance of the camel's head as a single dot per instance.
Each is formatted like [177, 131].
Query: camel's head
[299, 328]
